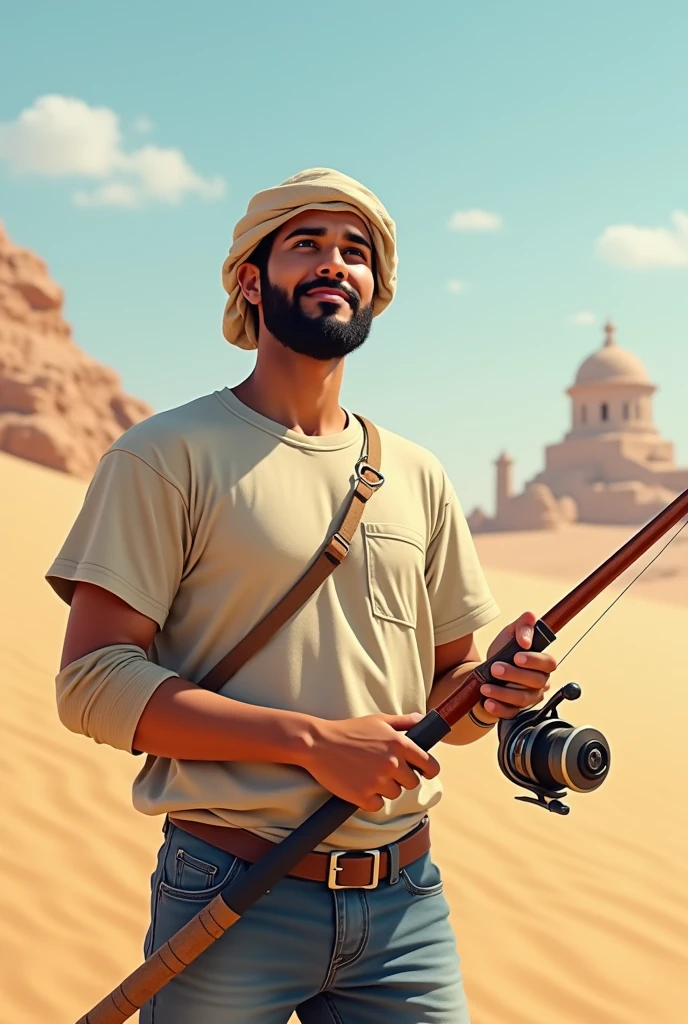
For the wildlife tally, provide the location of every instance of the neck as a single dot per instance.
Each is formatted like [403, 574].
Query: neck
[299, 392]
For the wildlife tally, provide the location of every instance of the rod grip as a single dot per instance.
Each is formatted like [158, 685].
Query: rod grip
[167, 961]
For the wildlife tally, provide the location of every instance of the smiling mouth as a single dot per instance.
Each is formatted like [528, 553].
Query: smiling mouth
[329, 295]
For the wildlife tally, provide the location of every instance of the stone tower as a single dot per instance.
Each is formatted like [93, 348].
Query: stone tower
[505, 488]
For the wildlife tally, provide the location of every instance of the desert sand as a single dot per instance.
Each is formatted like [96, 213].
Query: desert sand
[571, 552]
[559, 920]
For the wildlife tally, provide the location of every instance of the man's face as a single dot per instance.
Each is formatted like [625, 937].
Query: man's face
[317, 294]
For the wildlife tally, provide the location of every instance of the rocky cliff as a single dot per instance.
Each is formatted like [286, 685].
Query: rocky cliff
[58, 406]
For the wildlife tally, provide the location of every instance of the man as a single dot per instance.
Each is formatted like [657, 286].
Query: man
[195, 525]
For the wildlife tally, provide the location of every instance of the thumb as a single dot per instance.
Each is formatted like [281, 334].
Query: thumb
[523, 629]
[402, 722]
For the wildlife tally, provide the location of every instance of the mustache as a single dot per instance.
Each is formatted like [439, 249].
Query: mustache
[351, 294]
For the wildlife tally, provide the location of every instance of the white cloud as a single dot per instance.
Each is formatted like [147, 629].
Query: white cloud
[165, 175]
[456, 287]
[584, 319]
[116, 193]
[627, 245]
[61, 136]
[475, 220]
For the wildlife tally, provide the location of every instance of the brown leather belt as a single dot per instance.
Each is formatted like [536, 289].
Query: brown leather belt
[341, 869]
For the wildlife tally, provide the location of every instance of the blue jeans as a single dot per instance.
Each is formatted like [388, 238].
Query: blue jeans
[334, 956]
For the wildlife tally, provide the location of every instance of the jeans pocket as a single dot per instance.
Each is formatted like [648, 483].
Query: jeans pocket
[194, 870]
[422, 877]
[191, 873]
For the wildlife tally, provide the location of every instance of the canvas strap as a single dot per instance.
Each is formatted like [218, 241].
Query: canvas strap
[368, 479]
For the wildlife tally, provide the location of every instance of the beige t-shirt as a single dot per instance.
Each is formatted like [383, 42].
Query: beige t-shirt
[202, 517]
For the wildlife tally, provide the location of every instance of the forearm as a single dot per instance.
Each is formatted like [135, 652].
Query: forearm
[465, 731]
[115, 695]
[184, 722]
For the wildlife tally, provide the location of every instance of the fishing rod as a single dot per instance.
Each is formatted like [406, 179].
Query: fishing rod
[537, 751]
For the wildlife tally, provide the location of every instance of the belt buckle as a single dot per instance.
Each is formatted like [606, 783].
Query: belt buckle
[334, 868]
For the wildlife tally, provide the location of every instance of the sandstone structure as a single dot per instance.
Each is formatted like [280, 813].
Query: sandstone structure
[612, 466]
[58, 406]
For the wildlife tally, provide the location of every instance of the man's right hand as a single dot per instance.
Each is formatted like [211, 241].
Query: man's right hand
[365, 759]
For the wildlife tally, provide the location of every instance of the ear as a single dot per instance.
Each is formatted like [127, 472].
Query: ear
[248, 277]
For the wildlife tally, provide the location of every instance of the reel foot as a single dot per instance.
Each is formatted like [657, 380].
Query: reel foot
[555, 806]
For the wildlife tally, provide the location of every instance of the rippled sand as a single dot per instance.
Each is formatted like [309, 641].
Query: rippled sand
[559, 920]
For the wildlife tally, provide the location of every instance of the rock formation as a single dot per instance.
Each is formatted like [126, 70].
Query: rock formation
[58, 406]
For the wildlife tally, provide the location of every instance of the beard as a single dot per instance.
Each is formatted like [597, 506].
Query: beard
[322, 337]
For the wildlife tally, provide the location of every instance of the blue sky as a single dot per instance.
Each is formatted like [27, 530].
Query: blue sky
[565, 123]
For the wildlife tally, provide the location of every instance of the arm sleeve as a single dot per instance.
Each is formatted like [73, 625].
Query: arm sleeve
[460, 598]
[131, 537]
[103, 694]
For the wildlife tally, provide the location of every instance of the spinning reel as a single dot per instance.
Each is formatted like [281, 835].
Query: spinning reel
[540, 752]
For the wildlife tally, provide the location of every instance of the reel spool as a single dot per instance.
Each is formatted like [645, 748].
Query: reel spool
[540, 752]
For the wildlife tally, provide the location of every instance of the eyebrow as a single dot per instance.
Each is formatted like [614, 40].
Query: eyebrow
[351, 236]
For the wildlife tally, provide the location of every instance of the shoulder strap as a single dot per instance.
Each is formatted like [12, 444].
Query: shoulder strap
[368, 479]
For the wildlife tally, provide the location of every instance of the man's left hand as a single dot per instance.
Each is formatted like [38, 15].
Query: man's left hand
[524, 684]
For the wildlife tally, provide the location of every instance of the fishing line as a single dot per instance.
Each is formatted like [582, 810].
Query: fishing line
[670, 541]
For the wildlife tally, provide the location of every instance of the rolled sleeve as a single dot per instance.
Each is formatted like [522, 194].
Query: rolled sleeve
[103, 694]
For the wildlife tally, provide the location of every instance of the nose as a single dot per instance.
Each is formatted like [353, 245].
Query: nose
[333, 266]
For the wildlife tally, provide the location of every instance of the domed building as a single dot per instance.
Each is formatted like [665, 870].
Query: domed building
[611, 467]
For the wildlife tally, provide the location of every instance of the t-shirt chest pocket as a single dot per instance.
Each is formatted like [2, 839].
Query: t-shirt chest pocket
[395, 566]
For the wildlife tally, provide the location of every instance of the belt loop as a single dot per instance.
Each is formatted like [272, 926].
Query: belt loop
[394, 874]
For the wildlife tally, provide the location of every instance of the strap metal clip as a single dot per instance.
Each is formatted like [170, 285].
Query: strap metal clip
[363, 466]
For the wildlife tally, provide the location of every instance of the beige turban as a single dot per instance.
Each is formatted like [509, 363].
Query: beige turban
[317, 189]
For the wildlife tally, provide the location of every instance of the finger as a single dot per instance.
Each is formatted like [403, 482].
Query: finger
[515, 696]
[405, 776]
[391, 789]
[516, 699]
[522, 676]
[372, 803]
[539, 661]
[420, 759]
[500, 710]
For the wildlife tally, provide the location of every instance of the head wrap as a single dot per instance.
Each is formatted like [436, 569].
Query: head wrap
[316, 189]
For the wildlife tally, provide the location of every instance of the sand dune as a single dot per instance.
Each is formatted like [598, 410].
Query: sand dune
[560, 920]
[570, 553]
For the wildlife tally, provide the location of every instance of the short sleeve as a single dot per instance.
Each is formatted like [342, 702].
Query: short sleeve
[460, 598]
[131, 537]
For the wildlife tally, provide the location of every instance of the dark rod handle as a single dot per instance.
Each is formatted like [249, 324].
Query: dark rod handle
[241, 894]
[542, 638]
[277, 862]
